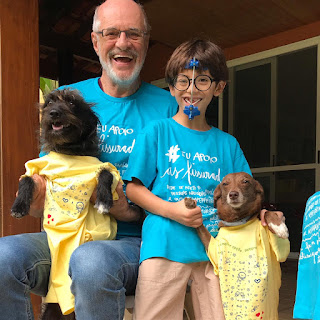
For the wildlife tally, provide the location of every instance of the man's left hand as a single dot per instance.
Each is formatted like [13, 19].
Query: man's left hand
[121, 210]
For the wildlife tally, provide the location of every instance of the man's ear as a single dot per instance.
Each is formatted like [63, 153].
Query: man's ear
[94, 40]
[219, 88]
[216, 195]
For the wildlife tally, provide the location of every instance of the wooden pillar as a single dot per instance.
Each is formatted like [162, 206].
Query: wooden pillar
[19, 93]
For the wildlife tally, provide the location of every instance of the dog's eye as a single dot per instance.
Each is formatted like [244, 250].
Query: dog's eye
[71, 103]
[224, 183]
[47, 104]
[245, 181]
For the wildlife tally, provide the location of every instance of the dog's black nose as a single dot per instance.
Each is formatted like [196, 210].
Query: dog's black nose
[54, 113]
[233, 195]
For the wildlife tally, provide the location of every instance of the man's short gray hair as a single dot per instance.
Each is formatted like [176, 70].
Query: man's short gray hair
[96, 22]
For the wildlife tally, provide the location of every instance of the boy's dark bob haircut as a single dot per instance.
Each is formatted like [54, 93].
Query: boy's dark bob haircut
[209, 55]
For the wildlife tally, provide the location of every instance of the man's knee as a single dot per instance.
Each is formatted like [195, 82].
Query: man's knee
[22, 254]
[93, 258]
[8, 259]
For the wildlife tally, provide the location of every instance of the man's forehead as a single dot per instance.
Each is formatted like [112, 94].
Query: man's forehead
[121, 17]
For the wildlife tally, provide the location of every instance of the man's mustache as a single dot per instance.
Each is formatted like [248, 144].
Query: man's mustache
[130, 52]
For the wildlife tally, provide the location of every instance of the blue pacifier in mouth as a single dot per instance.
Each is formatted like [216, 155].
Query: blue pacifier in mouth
[192, 111]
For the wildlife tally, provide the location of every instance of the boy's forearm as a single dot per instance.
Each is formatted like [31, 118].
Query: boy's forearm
[176, 211]
[145, 199]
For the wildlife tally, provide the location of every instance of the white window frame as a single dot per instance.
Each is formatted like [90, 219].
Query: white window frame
[259, 58]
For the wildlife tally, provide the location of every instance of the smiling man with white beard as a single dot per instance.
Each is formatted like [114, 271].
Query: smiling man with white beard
[102, 272]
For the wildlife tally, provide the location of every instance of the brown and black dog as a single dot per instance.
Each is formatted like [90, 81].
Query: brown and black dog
[238, 197]
[245, 255]
[68, 127]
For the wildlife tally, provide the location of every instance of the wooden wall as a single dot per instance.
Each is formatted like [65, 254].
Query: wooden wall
[273, 41]
[19, 92]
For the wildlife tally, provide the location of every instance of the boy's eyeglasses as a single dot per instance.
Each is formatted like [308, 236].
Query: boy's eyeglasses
[201, 82]
[112, 34]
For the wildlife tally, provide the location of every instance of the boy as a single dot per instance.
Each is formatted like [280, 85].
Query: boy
[176, 158]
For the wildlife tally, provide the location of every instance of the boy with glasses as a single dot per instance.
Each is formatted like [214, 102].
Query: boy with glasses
[176, 158]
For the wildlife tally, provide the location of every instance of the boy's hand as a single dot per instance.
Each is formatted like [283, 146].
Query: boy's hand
[39, 195]
[189, 217]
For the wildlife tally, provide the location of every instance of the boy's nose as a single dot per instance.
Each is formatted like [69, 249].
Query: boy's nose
[192, 85]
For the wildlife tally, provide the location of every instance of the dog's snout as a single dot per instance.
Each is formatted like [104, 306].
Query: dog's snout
[233, 195]
[55, 113]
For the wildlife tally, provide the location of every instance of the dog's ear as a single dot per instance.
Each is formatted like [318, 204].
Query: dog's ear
[259, 189]
[216, 195]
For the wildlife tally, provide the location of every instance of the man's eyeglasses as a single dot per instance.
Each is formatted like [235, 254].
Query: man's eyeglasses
[112, 34]
[201, 82]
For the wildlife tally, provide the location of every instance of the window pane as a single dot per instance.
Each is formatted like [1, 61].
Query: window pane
[296, 103]
[212, 112]
[252, 113]
[265, 181]
[292, 190]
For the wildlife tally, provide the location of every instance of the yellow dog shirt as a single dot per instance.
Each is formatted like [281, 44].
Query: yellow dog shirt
[246, 259]
[70, 219]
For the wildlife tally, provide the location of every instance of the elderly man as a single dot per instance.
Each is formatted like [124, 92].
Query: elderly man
[102, 272]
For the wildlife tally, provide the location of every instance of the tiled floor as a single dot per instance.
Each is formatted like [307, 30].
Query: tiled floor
[288, 289]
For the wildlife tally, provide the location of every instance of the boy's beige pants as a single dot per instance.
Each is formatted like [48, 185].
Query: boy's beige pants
[161, 289]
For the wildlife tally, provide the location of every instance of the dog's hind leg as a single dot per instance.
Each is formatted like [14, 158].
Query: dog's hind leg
[104, 194]
[21, 205]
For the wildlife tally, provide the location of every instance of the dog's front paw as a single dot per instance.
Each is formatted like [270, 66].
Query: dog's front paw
[19, 209]
[190, 203]
[103, 207]
[280, 230]
[276, 224]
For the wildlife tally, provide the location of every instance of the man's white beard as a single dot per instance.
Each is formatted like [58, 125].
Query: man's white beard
[121, 82]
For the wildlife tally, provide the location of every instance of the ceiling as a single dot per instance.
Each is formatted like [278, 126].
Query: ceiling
[65, 26]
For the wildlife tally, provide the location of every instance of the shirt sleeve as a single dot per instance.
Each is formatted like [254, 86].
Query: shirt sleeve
[33, 167]
[143, 159]
[212, 255]
[281, 247]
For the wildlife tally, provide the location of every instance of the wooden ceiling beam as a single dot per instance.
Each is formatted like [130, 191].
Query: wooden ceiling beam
[78, 47]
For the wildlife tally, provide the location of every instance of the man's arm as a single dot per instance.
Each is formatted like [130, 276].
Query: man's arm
[177, 211]
[122, 211]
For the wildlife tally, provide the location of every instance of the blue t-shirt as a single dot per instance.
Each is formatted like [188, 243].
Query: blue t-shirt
[175, 162]
[307, 304]
[121, 120]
